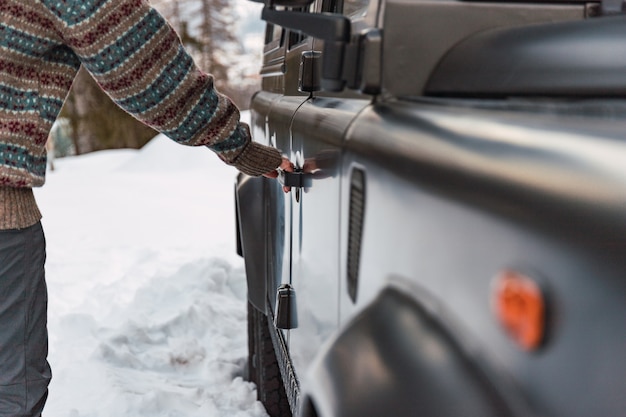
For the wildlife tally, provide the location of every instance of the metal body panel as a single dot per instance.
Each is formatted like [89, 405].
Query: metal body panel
[553, 170]
[252, 216]
[318, 132]
[457, 190]
[538, 60]
[466, 196]
[419, 33]
[278, 128]
[394, 358]
[271, 121]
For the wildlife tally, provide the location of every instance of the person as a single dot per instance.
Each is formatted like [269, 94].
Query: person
[138, 60]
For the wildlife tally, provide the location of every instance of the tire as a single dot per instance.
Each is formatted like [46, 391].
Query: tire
[263, 367]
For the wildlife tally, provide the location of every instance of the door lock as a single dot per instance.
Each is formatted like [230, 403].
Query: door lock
[295, 179]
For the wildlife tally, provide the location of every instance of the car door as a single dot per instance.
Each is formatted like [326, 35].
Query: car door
[271, 113]
[318, 131]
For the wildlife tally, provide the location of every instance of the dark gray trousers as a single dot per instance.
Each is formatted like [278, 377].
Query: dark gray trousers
[24, 370]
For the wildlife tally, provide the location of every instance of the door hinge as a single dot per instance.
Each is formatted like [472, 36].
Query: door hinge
[360, 64]
[363, 62]
[347, 60]
[310, 72]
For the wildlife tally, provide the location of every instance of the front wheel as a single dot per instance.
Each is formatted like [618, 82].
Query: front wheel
[263, 366]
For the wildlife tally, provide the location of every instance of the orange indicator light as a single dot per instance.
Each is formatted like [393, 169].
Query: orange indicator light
[520, 307]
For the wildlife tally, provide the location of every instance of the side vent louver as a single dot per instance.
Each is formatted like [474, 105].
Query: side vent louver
[355, 231]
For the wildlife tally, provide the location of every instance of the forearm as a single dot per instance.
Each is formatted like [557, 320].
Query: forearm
[139, 61]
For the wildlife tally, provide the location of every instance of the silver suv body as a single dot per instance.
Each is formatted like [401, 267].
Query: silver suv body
[455, 240]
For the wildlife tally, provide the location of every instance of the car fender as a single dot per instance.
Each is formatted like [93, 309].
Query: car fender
[252, 236]
[396, 358]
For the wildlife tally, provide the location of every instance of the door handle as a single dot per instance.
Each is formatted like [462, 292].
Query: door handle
[295, 179]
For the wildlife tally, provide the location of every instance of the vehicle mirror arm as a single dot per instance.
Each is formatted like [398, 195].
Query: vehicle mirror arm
[333, 29]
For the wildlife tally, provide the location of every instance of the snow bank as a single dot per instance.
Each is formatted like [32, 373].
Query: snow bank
[147, 311]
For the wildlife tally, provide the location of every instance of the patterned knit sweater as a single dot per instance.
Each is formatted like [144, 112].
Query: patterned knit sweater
[136, 58]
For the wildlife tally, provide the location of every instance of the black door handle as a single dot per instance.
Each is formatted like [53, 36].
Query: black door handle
[295, 179]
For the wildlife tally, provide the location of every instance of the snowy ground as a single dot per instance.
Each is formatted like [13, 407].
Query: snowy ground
[147, 296]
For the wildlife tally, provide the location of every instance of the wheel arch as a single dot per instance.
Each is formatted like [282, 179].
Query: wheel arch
[397, 358]
[252, 226]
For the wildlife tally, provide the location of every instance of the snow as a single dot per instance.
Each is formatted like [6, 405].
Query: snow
[147, 297]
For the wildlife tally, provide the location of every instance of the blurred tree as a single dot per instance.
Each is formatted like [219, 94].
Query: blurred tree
[207, 28]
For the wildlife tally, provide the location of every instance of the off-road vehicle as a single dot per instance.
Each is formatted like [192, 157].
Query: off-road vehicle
[454, 242]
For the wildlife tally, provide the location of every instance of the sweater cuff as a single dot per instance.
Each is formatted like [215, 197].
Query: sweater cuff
[18, 209]
[257, 159]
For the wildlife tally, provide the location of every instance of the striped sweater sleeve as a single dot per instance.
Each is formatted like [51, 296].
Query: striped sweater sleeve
[139, 61]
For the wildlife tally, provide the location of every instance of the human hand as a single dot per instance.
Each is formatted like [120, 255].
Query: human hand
[285, 165]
